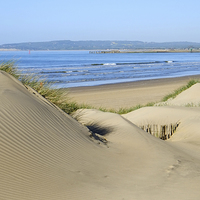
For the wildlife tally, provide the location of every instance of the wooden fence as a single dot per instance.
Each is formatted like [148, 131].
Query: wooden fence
[163, 132]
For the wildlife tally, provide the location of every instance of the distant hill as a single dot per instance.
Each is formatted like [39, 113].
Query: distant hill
[98, 45]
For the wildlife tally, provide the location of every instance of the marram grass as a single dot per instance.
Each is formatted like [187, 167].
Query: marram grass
[10, 68]
[55, 96]
[181, 89]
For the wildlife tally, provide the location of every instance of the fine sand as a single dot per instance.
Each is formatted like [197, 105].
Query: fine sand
[47, 155]
[125, 95]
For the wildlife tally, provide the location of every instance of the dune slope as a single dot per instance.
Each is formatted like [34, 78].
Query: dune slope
[45, 154]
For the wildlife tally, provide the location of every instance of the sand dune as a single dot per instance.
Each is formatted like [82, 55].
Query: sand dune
[46, 154]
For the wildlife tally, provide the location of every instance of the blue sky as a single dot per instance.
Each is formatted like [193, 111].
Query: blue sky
[143, 20]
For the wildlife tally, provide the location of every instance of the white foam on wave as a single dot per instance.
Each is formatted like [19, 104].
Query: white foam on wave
[109, 64]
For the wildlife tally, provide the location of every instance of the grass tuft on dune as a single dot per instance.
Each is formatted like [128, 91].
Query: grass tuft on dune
[10, 68]
[44, 88]
[179, 90]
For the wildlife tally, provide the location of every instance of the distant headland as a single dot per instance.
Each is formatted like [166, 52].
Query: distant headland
[105, 46]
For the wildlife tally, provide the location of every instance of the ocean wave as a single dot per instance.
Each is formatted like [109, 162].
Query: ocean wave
[96, 64]
[109, 64]
[63, 72]
[132, 63]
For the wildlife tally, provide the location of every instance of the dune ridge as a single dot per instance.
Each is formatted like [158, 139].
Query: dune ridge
[189, 98]
[46, 154]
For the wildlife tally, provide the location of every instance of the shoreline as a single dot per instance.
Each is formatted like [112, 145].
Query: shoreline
[128, 94]
[116, 51]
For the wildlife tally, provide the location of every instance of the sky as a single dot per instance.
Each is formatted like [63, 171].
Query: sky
[133, 20]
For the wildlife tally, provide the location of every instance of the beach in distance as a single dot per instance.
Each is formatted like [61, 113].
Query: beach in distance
[129, 94]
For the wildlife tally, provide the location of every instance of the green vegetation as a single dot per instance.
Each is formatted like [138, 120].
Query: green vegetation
[178, 91]
[101, 45]
[60, 97]
[127, 110]
[10, 68]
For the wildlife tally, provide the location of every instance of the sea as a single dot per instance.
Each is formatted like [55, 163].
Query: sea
[82, 68]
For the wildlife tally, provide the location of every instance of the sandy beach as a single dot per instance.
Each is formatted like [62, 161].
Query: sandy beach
[46, 154]
[128, 94]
